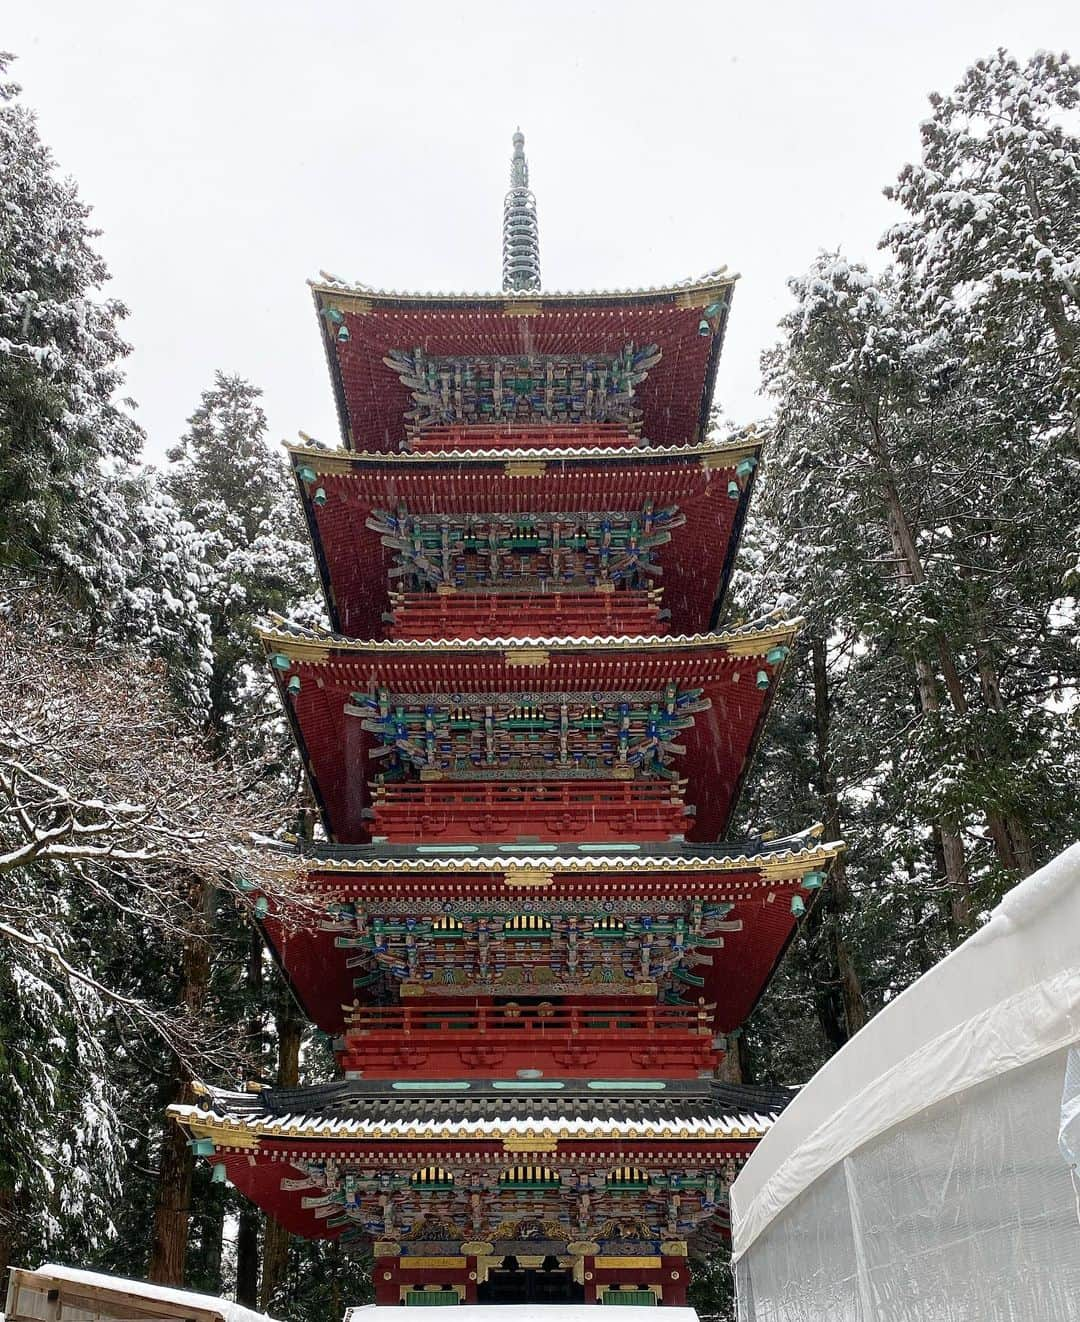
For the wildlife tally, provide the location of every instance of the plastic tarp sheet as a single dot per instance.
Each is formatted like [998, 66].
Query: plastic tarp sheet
[927, 1171]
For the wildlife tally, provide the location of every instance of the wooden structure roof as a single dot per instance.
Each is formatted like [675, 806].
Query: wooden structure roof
[361, 326]
[731, 669]
[343, 488]
[755, 886]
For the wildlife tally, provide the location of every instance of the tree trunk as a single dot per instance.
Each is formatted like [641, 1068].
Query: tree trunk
[247, 1238]
[210, 1236]
[275, 1236]
[911, 571]
[247, 1256]
[7, 1231]
[172, 1205]
[1015, 839]
[172, 1202]
[838, 892]
[1008, 831]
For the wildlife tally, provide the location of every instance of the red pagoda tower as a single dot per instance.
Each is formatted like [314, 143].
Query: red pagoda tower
[526, 738]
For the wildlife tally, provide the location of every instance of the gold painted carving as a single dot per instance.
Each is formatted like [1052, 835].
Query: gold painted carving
[526, 1143]
[347, 303]
[528, 877]
[527, 656]
[222, 1136]
[615, 1264]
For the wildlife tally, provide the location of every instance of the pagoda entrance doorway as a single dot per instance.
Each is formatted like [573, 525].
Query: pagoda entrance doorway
[512, 1283]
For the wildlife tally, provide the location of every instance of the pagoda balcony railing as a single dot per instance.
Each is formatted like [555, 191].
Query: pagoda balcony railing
[496, 1041]
[525, 614]
[543, 1020]
[599, 811]
[529, 436]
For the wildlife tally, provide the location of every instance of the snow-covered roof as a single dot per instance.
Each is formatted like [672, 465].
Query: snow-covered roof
[330, 284]
[478, 1109]
[744, 639]
[226, 1308]
[784, 855]
[736, 1128]
[325, 458]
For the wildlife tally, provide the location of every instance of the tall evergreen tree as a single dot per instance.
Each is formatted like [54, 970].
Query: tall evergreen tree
[60, 350]
[237, 494]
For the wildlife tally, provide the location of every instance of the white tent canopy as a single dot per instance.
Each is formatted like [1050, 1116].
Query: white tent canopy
[921, 1173]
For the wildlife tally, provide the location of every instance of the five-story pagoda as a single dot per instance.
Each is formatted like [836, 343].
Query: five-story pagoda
[526, 738]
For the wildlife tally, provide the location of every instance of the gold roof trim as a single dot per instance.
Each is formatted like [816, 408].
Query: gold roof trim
[319, 645]
[538, 871]
[339, 461]
[223, 1131]
[359, 298]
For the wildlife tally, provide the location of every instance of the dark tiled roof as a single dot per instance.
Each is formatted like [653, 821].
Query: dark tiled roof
[703, 1100]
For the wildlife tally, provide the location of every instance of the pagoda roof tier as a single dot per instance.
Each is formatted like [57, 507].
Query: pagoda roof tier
[346, 497]
[718, 688]
[362, 327]
[745, 895]
[484, 1111]
[455, 1164]
[524, 867]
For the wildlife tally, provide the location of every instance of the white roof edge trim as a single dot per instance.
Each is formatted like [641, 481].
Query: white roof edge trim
[1005, 998]
[650, 453]
[327, 284]
[810, 852]
[732, 1127]
[281, 631]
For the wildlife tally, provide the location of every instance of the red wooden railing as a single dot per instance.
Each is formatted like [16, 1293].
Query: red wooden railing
[551, 1020]
[624, 1040]
[540, 436]
[593, 810]
[524, 615]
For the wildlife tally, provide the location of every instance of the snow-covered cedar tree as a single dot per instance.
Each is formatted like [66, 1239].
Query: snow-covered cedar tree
[116, 820]
[995, 201]
[60, 349]
[901, 504]
[109, 800]
[254, 557]
[992, 243]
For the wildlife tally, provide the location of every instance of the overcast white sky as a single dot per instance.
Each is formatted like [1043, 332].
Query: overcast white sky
[232, 149]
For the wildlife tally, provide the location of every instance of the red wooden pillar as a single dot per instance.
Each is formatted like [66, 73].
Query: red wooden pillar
[386, 1281]
[470, 1280]
[589, 1272]
[675, 1274]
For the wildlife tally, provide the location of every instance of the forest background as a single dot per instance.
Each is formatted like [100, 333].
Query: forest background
[919, 505]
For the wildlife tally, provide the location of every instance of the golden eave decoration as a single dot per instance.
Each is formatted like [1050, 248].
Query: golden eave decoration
[711, 455]
[318, 645]
[776, 866]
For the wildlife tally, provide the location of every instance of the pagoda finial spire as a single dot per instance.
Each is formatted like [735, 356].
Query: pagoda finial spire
[521, 234]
